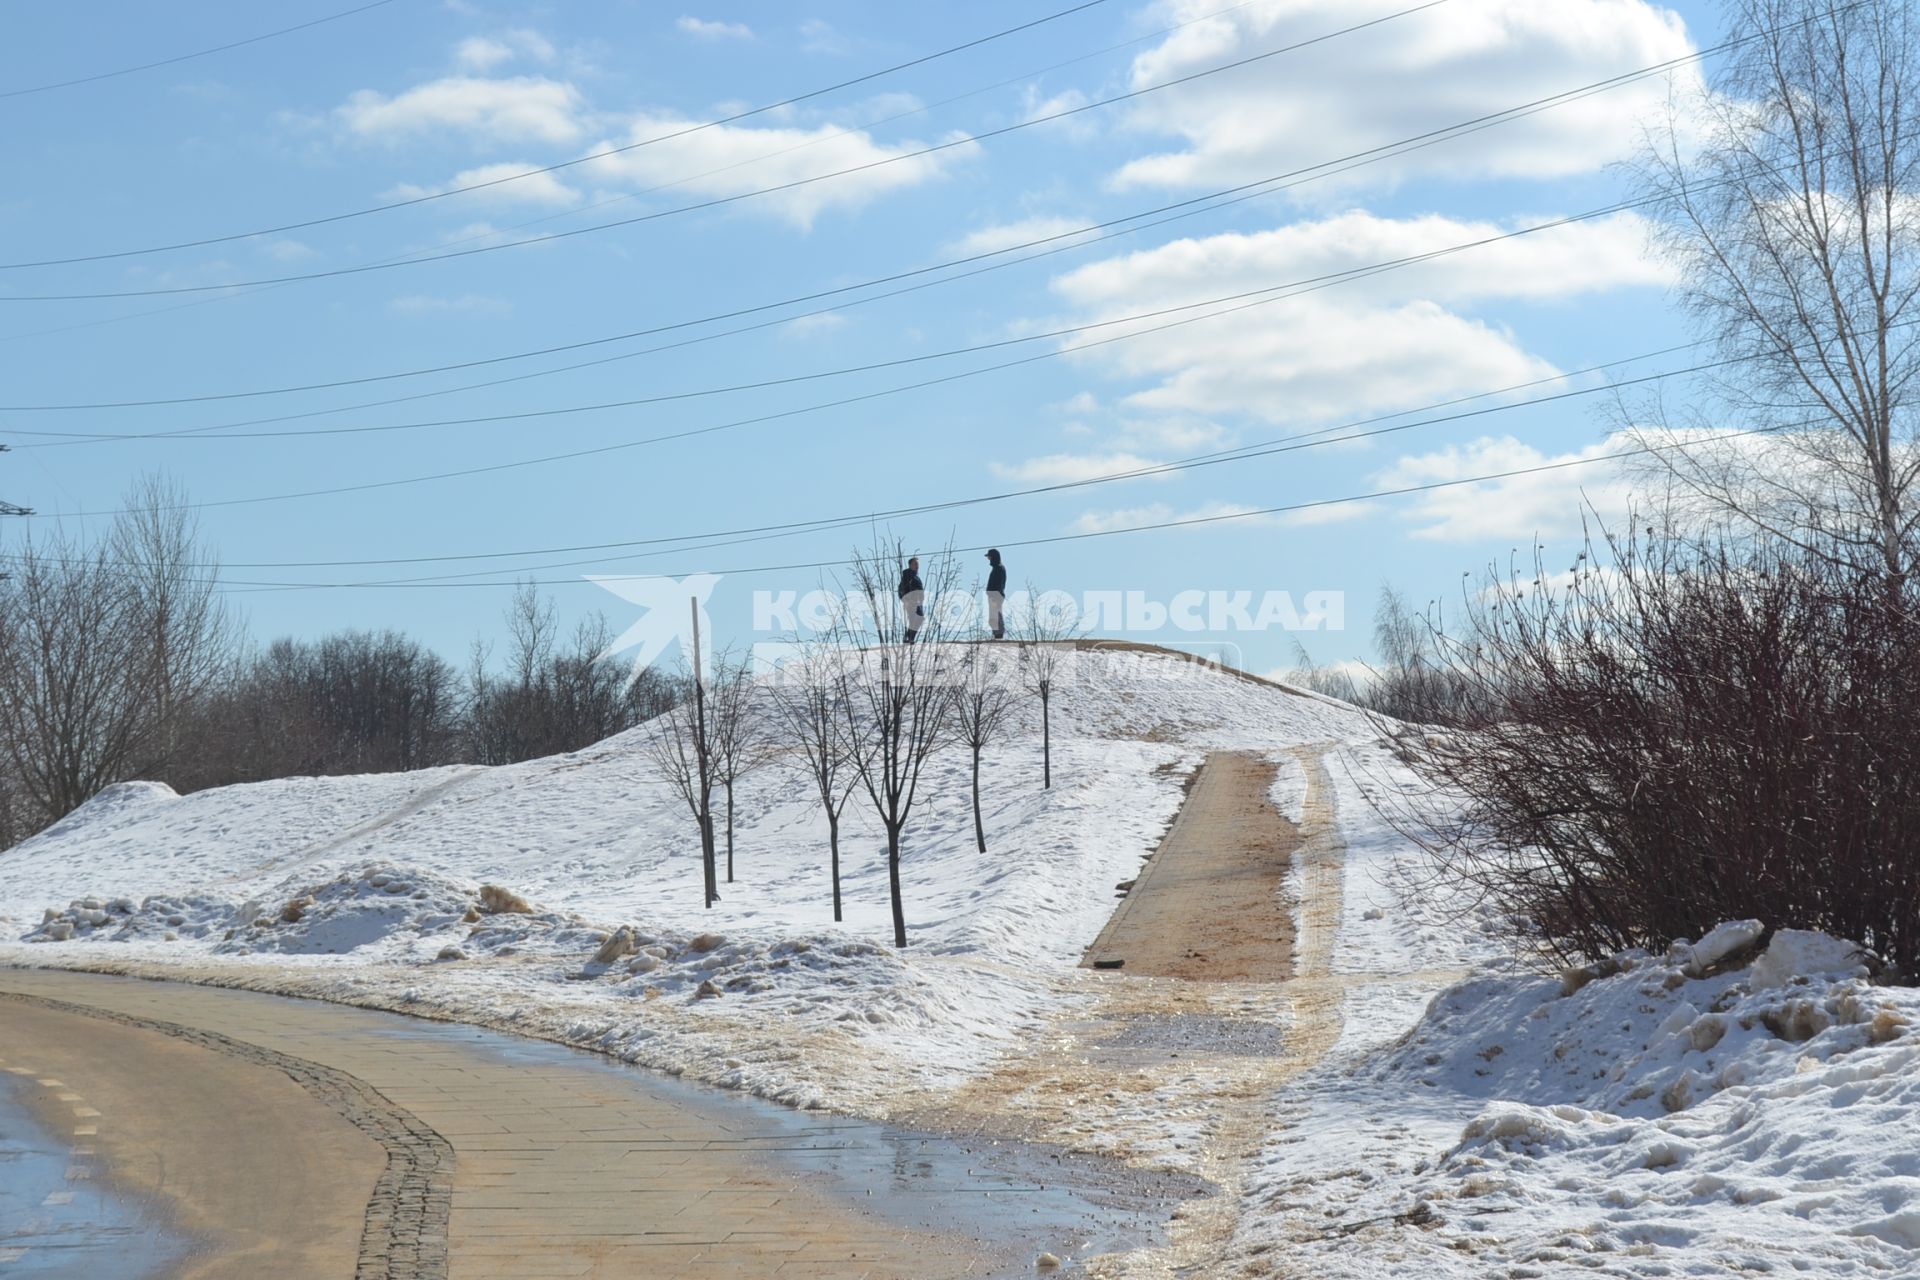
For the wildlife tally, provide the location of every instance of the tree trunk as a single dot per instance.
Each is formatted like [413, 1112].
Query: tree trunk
[979, 827]
[729, 786]
[1046, 742]
[893, 887]
[833, 852]
[707, 859]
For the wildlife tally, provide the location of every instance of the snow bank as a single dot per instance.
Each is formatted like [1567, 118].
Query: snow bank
[1650, 1122]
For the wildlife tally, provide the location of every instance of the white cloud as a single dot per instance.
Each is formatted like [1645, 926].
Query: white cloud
[479, 53]
[287, 250]
[1328, 513]
[421, 304]
[818, 36]
[1159, 513]
[1059, 468]
[1072, 122]
[730, 160]
[535, 188]
[1374, 343]
[813, 326]
[702, 29]
[1006, 235]
[512, 109]
[1396, 80]
[1519, 507]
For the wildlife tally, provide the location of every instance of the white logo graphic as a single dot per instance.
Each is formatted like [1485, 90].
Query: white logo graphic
[667, 618]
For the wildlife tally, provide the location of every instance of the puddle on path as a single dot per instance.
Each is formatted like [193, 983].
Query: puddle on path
[1197, 1033]
[1020, 1198]
[53, 1225]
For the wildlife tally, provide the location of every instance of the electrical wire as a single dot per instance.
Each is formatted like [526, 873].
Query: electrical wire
[566, 164]
[189, 57]
[721, 201]
[1223, 198]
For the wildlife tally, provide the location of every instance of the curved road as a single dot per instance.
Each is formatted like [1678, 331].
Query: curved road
[299, 1139]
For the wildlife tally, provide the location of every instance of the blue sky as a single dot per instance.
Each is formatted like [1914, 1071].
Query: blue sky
[415, 96]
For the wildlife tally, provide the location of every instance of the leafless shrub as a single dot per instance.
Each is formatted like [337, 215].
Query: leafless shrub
[1707, 729]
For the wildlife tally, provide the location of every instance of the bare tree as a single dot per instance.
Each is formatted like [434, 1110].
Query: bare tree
[104, 650]
[682, 745]
[75, 708]
[740, 737]
[807, 703]
[895, 692]
[1787, 196]
[983, 713]
[1048, 629]
[170, 581]
[554, 698]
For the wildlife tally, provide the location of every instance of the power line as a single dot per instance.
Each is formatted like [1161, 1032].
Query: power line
[1185, 522]
[1320, 438]
[598, 155]
[1265, 292]
[1267, 296]
[1224, 197]
[626, 196]
[1240, 453]
[189, 57]
[719, 201]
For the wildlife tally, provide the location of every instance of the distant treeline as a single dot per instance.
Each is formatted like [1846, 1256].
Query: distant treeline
[120, 660]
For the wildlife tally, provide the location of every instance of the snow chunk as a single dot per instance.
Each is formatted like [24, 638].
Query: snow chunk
[1804, 953]
[1722, 941]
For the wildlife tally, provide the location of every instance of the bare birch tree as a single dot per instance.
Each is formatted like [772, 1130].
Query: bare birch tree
[1787, 196]
[806, 701]
[983, 713]
[896, 694]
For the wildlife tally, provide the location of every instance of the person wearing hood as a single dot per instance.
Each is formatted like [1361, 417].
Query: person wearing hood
[911, 598]
[997, 595]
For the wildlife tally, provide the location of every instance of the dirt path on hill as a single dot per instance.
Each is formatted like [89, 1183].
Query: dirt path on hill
[1227, 994]
[1208, 905]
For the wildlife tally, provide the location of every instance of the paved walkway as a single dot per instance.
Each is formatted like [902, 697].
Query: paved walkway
[557, 1166]
[1208, 905]
[275, 1181]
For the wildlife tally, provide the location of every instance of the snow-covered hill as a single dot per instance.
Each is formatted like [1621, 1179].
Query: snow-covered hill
[1665, 1119]
[356, 888]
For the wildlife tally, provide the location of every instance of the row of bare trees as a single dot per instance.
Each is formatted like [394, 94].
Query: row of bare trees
[863, 709]
[120, 659]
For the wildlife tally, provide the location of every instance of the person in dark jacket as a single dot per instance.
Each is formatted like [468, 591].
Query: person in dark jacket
[911, 598]
[997, 595]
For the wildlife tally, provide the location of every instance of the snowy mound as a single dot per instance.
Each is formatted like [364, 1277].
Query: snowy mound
[121, 801]
[378, 903]
[1761, 1116]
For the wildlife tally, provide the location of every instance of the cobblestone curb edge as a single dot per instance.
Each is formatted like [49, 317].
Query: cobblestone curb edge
[405, 1231]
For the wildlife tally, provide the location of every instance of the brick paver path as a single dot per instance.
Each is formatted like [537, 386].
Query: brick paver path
[556, 1169]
